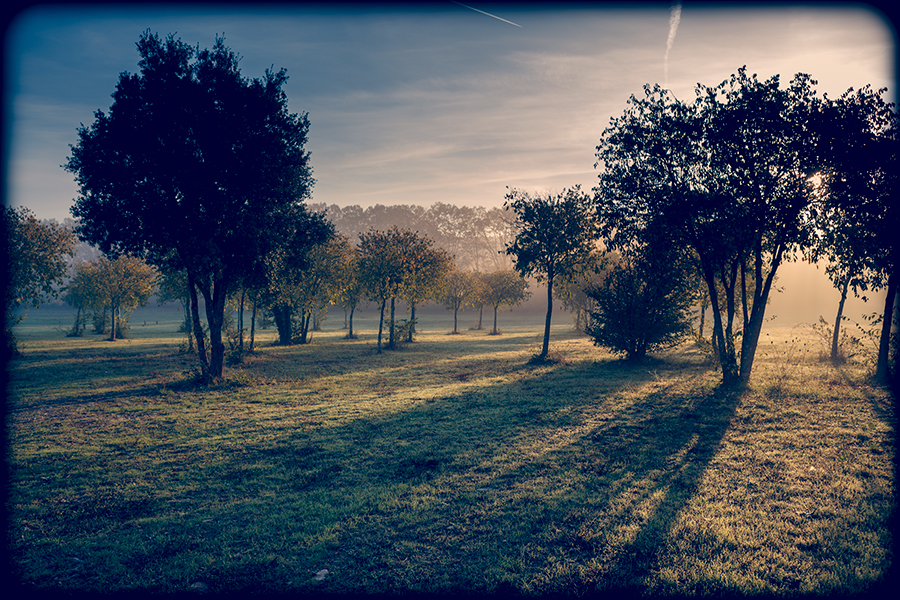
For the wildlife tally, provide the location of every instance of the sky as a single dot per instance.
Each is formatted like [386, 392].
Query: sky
[416, 103]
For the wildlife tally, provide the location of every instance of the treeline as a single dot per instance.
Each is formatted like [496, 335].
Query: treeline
[474, 235]
[697, 204]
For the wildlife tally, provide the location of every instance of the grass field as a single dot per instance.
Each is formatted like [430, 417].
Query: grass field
[450, 465]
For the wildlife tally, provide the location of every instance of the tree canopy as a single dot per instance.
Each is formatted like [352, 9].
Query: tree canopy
[193, 167]
[35, 263]
[727, 176]
[555, 235]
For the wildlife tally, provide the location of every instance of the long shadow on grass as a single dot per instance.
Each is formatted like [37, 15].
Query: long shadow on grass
[474, 490]
[560, 465]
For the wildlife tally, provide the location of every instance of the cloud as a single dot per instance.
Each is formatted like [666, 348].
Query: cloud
[674, 19]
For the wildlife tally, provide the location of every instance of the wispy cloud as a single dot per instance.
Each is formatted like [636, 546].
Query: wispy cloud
[485, 13]
[674, 19]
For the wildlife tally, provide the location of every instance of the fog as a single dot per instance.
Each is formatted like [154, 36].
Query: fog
[808, 293]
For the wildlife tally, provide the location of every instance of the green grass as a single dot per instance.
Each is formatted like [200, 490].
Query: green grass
[451, 465]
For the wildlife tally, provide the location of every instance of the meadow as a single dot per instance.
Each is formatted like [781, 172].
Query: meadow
[451, 465]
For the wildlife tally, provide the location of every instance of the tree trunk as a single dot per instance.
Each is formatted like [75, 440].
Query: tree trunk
[198, 327]
[883, 369]
[494, 330]
[350, 335]
[757, 317]
[283, 314]
[241, 323]
[253, 326]
[380, 325]
[455, 311]
[215, 318]
[837, 321]
[480, 314]
[727, 361]
[306, 317]
[112, 328]
[391, 340]
[702, 317]
[545, 349]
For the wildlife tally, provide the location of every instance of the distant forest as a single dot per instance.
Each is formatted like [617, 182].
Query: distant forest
[474, 235]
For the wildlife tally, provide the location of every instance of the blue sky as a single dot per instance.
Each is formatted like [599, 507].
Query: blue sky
[417, 103]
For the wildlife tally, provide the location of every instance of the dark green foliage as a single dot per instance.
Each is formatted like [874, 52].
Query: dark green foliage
[728, 176]
[194, 167]
[640, 308]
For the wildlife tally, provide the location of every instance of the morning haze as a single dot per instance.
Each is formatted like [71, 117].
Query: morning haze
[451, 298]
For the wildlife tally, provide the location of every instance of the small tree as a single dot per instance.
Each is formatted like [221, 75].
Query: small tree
[642, 305]
[555, 236]
[351, 289]
[504, 288]
[458, 290]
[122, 284]
[425, 270]
[35, 263]
[381, 271]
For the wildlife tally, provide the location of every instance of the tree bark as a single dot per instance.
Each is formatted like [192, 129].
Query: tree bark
[757, 316]
[253, 326]
[350, 335]
[545, 349]
[241, 323]
[391, 340]
[412, 321]
[882, 369]
[380, 325]
[198, 327]
[283, 314]
[837, 321]
[215, 317]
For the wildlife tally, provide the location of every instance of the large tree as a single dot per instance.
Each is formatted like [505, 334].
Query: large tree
[727, 176]
[193, 167]
[35, 263]
[555, 236]
[857, 208]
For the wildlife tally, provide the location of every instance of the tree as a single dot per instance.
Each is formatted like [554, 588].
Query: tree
[425, 270]
[858, 215]
[111, 287]
[294, 273]
[381, 272]
[727, 176]
[555, 236]
[503, 288]
[194, 167]
[35, 263]
[124, 283]
[351, 289]
[80, 294]
[642, 304]
[458, 291]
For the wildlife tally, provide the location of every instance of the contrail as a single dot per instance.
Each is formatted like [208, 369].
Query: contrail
[674, 19]
[488, 14]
